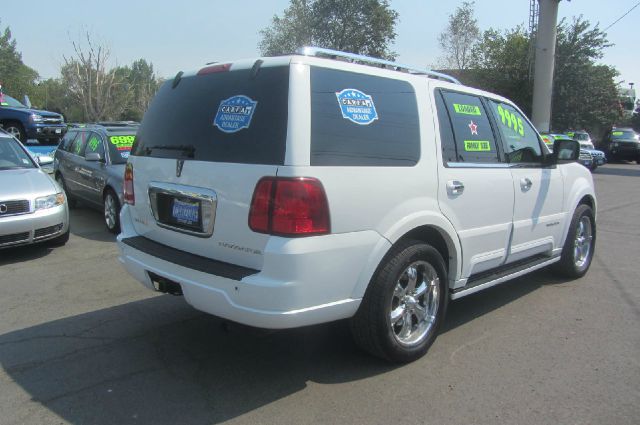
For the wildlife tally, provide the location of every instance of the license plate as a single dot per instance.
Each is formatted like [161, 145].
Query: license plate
[58, 130]
[186, 212]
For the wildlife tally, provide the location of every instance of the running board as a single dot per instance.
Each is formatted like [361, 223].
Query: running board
[474, 286]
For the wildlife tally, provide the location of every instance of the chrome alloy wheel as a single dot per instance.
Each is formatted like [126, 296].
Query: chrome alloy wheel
[110, 211]
[582, 242]
[14, 131]
[415, 302]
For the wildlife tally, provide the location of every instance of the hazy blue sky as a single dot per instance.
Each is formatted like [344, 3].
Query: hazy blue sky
[181, 35]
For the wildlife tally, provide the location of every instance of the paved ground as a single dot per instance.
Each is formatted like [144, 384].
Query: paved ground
[82, 343]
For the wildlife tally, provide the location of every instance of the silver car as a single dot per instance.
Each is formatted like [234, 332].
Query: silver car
[33, 207]
[89, 165]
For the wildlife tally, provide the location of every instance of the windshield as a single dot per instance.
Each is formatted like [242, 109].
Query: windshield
[12, 156]
[6, 100]
[581, 137]
[120, 147]
[623, 134]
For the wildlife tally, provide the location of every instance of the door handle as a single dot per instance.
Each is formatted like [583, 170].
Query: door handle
[455, 187]
[525, 183]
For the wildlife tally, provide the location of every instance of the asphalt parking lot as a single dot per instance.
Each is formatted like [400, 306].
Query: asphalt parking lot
[82, 343]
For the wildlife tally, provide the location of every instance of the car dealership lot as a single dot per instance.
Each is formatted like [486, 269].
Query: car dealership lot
[81, 342]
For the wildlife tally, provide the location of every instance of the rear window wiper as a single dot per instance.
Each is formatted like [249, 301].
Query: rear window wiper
[188, 150]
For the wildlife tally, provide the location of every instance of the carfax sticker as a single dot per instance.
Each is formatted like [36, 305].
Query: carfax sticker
[357, 107]
[477, 146]
[235, 113]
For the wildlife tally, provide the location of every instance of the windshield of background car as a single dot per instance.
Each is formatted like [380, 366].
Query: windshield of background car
[229, 116]
[623, 134]
[11, 102]
[120, 146]
[581, 137]
[12, 156]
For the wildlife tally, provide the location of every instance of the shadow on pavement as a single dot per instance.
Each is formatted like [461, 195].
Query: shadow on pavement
[624, 172]
[88, 223]
[160, 361]
[24, 253]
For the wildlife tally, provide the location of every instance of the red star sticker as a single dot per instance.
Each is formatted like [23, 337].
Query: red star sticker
[474, 128]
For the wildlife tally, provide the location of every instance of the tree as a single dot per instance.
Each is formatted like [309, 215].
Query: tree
[16, 77]
[99, 90]
[584, 94]
[143, 83]
[459, 38]
[359, 26]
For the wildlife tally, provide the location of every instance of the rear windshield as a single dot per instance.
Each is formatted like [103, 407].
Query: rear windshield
[238, 116]
[120, 146]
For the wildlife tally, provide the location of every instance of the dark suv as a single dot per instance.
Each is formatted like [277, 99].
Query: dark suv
[622, 143]
[89, 165]
[27, 123]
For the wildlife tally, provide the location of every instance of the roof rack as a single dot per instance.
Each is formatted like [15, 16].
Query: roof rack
[368, 60]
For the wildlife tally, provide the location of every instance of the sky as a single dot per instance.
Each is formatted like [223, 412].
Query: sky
[184, 35]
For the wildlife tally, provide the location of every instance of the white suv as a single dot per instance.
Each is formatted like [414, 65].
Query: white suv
[288, 191]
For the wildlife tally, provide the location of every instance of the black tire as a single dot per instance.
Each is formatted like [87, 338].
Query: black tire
[574, 263]
[372, 327]
[111, 210]
[60, 240]
[16, 129]
[72, 202]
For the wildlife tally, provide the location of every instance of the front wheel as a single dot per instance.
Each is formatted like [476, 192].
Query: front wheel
[578, 249]
[17, 130]
[405, 304]
[111, 212]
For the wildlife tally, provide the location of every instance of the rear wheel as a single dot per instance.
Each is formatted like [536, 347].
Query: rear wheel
[111, 211]
[16, 129]
[579, 247]
[405, 304]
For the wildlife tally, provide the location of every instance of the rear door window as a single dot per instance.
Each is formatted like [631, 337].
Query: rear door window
[474, 138]
[94, 145]
[362, 120]
[68, 139]
[219, 116]
[78, 145]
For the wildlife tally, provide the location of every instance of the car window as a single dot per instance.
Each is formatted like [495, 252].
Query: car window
[77, 147]
[474, 138]
[94, 145]
[449, 152]
[362, 120]
[12, 155]
[68, 139]
[120, 146]
[520, 141]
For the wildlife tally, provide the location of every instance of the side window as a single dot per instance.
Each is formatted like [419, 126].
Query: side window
[472, 131]
[449, 152]
[520, 140]
[67, 140]
[94, 144]
[77, 147]
[362, 120]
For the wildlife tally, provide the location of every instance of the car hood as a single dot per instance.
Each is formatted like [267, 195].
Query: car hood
[30, 111]
[25, 184]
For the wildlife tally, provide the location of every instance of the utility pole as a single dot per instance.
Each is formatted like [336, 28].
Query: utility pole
[544, 63]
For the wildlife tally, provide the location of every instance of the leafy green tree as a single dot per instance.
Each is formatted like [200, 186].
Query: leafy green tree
[16, 77]
[585, 93]
[459, 38]
[358, 26]
[142, 82]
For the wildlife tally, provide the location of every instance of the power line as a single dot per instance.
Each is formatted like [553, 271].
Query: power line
[617, 20]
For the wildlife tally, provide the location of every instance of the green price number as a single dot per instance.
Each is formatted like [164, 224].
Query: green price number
[510, 120]
[122, 141]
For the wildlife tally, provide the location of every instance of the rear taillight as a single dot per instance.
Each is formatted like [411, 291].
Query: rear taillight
[129, 196]
[285, 206]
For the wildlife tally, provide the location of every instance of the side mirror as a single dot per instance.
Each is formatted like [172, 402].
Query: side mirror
[44, 160]
[565, 151]
[94, 156]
